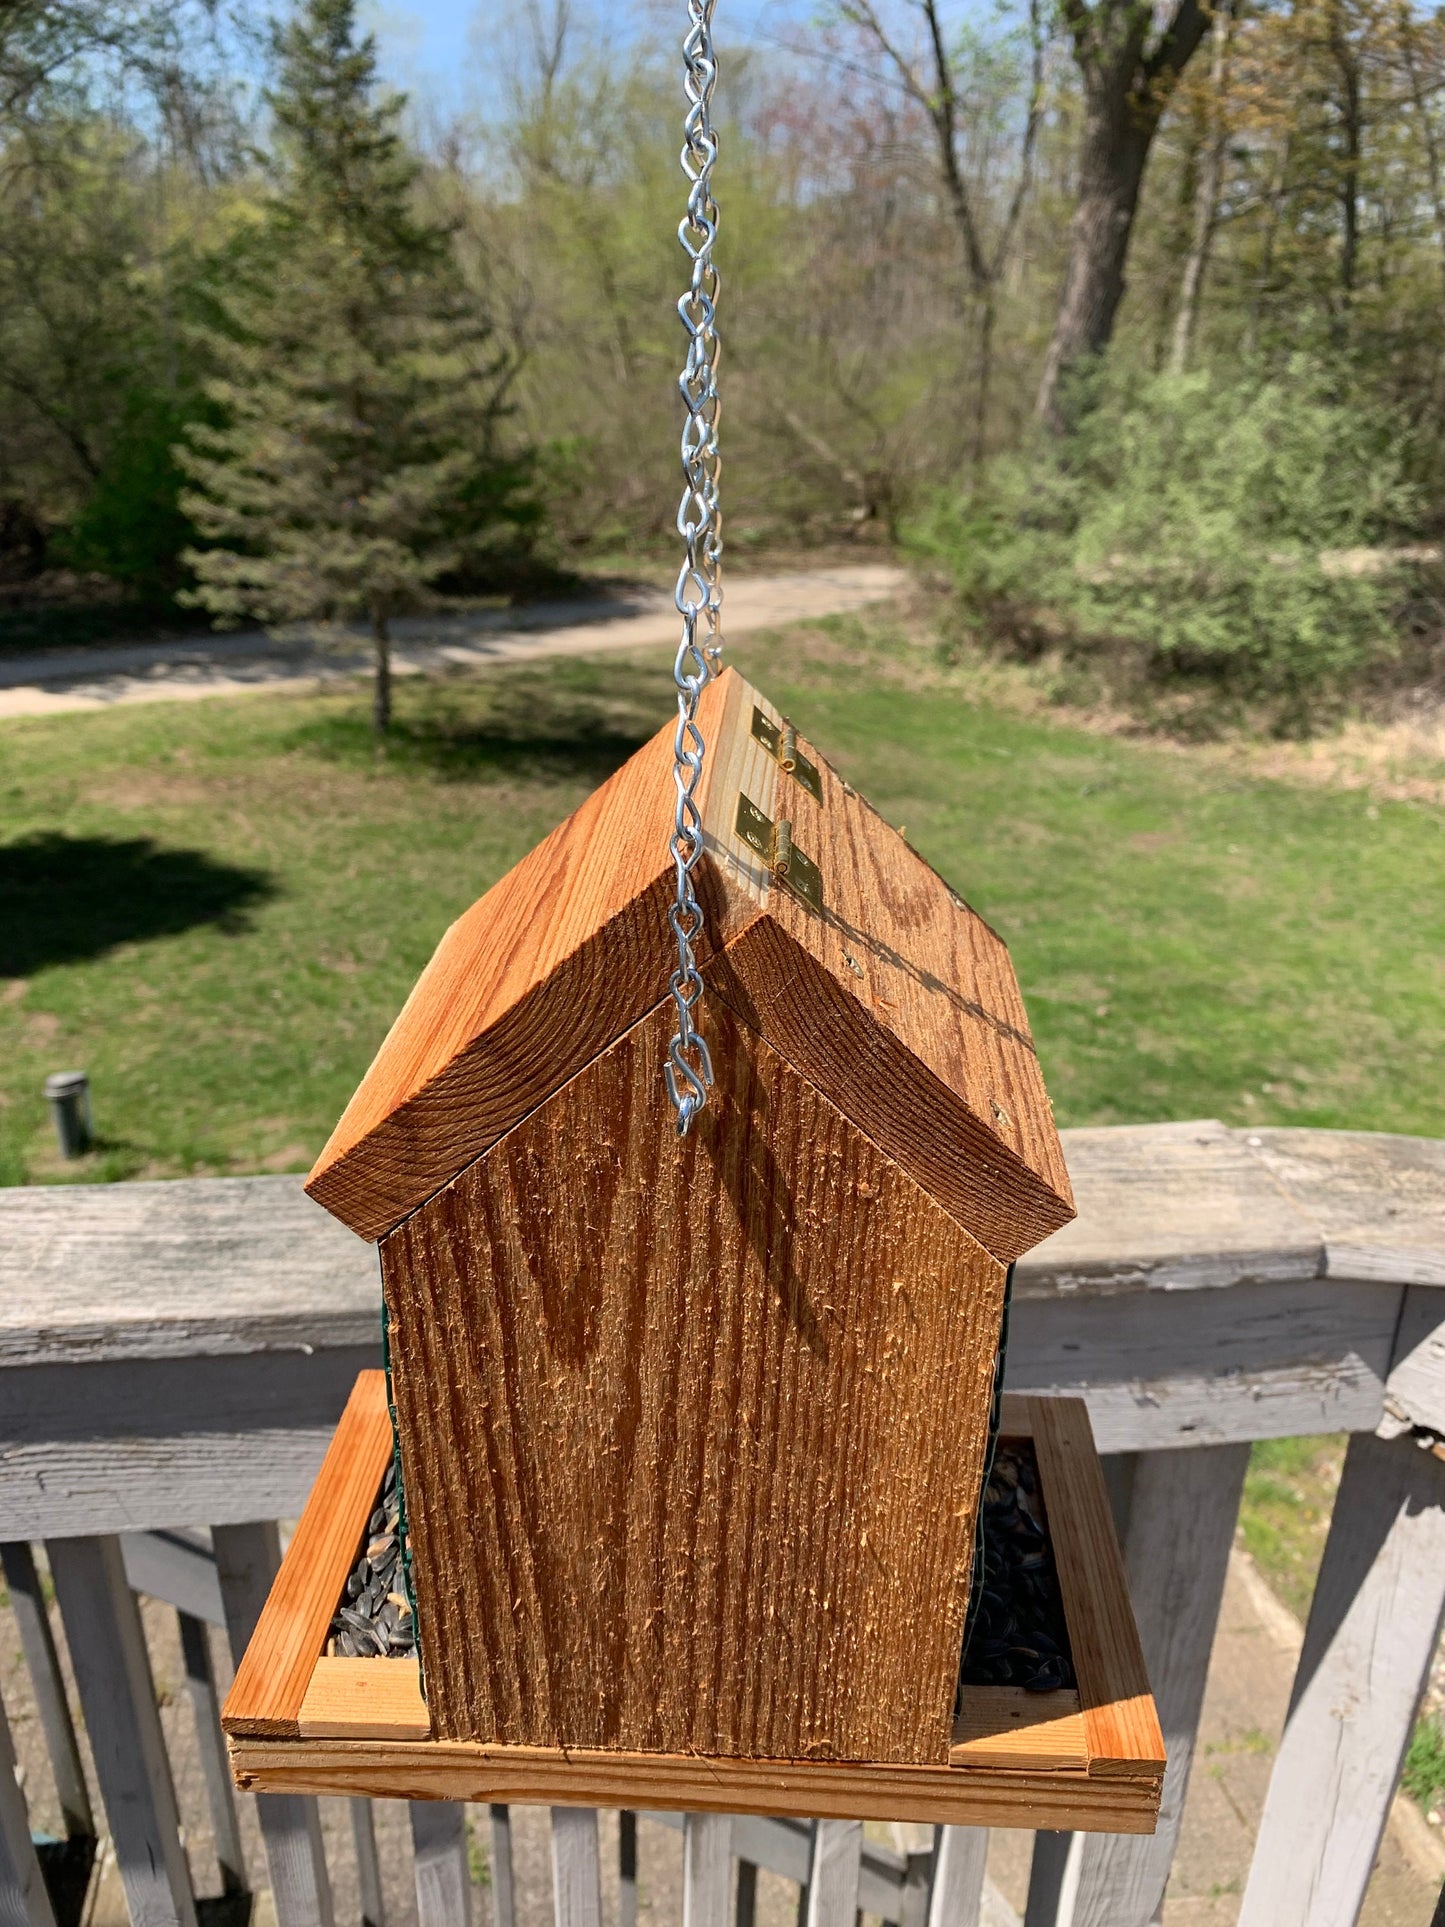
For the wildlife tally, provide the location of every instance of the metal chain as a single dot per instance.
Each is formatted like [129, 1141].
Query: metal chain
[699, 523]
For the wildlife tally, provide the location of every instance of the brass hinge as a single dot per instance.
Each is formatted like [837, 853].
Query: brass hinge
[786, 862]
[782, 745]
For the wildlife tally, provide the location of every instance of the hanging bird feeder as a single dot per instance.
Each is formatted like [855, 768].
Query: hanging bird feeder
[698, 1159]
[693, 1429]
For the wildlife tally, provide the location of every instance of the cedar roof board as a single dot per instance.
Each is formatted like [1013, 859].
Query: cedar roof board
[899, 1001]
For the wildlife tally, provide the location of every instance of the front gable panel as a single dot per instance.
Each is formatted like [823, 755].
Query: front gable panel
[693, 1431]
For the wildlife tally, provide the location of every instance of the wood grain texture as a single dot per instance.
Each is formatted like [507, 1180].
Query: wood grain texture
[1165, 1368]
[1415, 1389]
[363, 1728]
[1121, 1726]
[898, 1002]
[834, 1789]
[24, 1900]
[1006, 1727]
[47, 1684]
[107, 1447]
[359, 1699]
[693, 1442]
[999, 1726]
[1378, 1199]
[543, 972]
[117, 1693]
[1371, 1634]
[196, 1267]
[271, 1680]
[1171, 1207]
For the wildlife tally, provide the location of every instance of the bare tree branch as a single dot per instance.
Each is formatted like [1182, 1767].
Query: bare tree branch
[940, 103]
[1038, 42]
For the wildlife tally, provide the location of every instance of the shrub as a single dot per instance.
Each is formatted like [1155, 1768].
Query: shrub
[131, 527]
[1201, 523]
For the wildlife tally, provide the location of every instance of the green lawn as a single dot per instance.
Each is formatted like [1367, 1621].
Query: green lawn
[217, 907]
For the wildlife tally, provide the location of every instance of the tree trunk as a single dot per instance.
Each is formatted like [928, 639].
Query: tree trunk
[1111, 170]
[381, 700]
[1126, 89]
[1274, 209]
[1348, 67]
[986, 319]
[1206, 197]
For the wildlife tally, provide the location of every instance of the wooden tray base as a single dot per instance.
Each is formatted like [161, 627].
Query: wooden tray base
[1090, 1760]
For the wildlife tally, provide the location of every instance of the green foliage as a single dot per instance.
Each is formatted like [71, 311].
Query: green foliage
[1199, 522]
[1424, 1775]
[131, 526]
[359, 381]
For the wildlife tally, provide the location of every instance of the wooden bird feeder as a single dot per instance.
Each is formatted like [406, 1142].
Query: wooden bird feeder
[693, 1431]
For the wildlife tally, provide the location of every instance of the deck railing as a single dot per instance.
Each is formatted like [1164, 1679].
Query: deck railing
[174, 1356]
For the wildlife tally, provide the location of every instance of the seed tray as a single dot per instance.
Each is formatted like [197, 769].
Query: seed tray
[302, 1717]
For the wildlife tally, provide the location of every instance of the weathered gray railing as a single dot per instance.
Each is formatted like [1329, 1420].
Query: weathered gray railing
[173, 1356]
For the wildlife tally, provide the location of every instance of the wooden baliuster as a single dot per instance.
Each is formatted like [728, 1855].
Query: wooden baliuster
[693, 1430]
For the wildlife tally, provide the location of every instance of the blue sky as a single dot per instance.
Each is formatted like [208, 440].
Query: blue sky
[431, 47]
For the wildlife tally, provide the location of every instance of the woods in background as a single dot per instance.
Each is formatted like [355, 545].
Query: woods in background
[1129, 317]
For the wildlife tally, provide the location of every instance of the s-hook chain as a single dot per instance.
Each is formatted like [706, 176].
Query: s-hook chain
[699, 523]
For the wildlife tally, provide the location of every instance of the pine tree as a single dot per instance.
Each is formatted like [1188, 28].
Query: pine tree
[358, 385]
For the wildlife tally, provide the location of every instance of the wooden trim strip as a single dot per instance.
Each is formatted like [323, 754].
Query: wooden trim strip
[1002, 1726]
[370, 1699]
[844, 1790]
[266, 1697]
[364, 1699]
[1121, 1725]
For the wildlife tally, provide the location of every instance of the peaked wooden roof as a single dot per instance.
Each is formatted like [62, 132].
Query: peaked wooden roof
[895, 998]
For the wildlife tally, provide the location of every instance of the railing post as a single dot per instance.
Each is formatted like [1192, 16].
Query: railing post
[368, 1864]
[117, 1696]
[439, 1850]
[247, 1558]
[504, 1897]
[960, 1857]
[627, 1869]
[833, 1875]
[707, 1868]
[37, 1642]
[23, 1899]
[1371, 1635]
[1053, 1879]
[220, 1793]
[576, 1867]
[1182, 1507]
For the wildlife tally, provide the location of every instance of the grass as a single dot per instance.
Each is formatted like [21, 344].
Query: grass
[1289, 1491]
[1424, 1775]
[217, 908]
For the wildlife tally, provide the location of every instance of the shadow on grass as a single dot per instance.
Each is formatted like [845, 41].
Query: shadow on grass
[517, 726]
[66, 898]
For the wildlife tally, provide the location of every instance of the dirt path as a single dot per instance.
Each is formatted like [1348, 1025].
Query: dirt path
[229, 665]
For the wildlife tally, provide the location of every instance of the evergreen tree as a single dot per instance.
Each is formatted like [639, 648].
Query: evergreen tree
[358, 387]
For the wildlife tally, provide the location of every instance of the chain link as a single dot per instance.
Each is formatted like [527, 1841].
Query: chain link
[699, 587]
